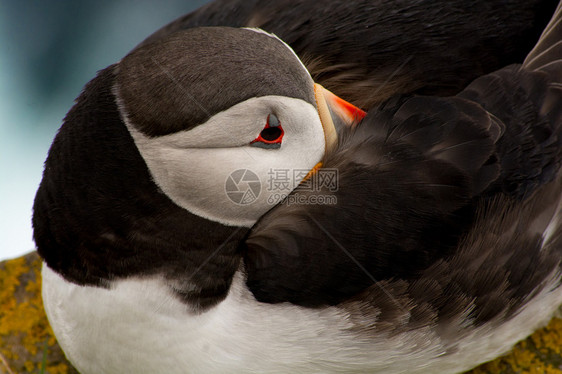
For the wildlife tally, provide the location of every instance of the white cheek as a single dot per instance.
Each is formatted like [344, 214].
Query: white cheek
[201, 179]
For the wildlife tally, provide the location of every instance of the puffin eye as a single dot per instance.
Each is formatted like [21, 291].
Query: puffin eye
[271, 135]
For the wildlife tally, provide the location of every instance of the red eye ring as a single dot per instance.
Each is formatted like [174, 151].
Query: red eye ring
[272, 134]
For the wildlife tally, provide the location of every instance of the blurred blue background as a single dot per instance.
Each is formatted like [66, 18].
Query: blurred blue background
[48, 51]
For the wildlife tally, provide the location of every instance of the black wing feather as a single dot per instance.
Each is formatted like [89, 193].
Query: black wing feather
[399, 205]
[419, 179]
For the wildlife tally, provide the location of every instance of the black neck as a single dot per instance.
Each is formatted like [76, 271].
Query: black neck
[98, 215]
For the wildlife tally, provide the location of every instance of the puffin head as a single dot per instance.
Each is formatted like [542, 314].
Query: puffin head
[166, 159]
[211, 107]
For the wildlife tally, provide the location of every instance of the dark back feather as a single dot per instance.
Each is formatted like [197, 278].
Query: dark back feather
[447, 195]
[369, 50]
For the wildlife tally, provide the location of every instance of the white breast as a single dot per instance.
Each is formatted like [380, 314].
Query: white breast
[139, 326]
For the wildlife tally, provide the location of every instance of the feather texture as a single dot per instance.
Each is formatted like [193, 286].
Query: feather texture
[422, 181]
[366, 51]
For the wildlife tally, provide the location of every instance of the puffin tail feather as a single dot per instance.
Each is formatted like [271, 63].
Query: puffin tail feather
[546, 57]
[547, 53]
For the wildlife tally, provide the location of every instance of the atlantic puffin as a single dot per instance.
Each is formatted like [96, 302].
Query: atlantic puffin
[165, 252]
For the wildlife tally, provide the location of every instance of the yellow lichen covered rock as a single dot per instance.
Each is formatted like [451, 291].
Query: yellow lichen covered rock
[26, 339]
[541, 353]
[25, 334]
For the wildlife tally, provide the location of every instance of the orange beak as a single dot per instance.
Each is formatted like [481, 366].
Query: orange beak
[335, 113]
